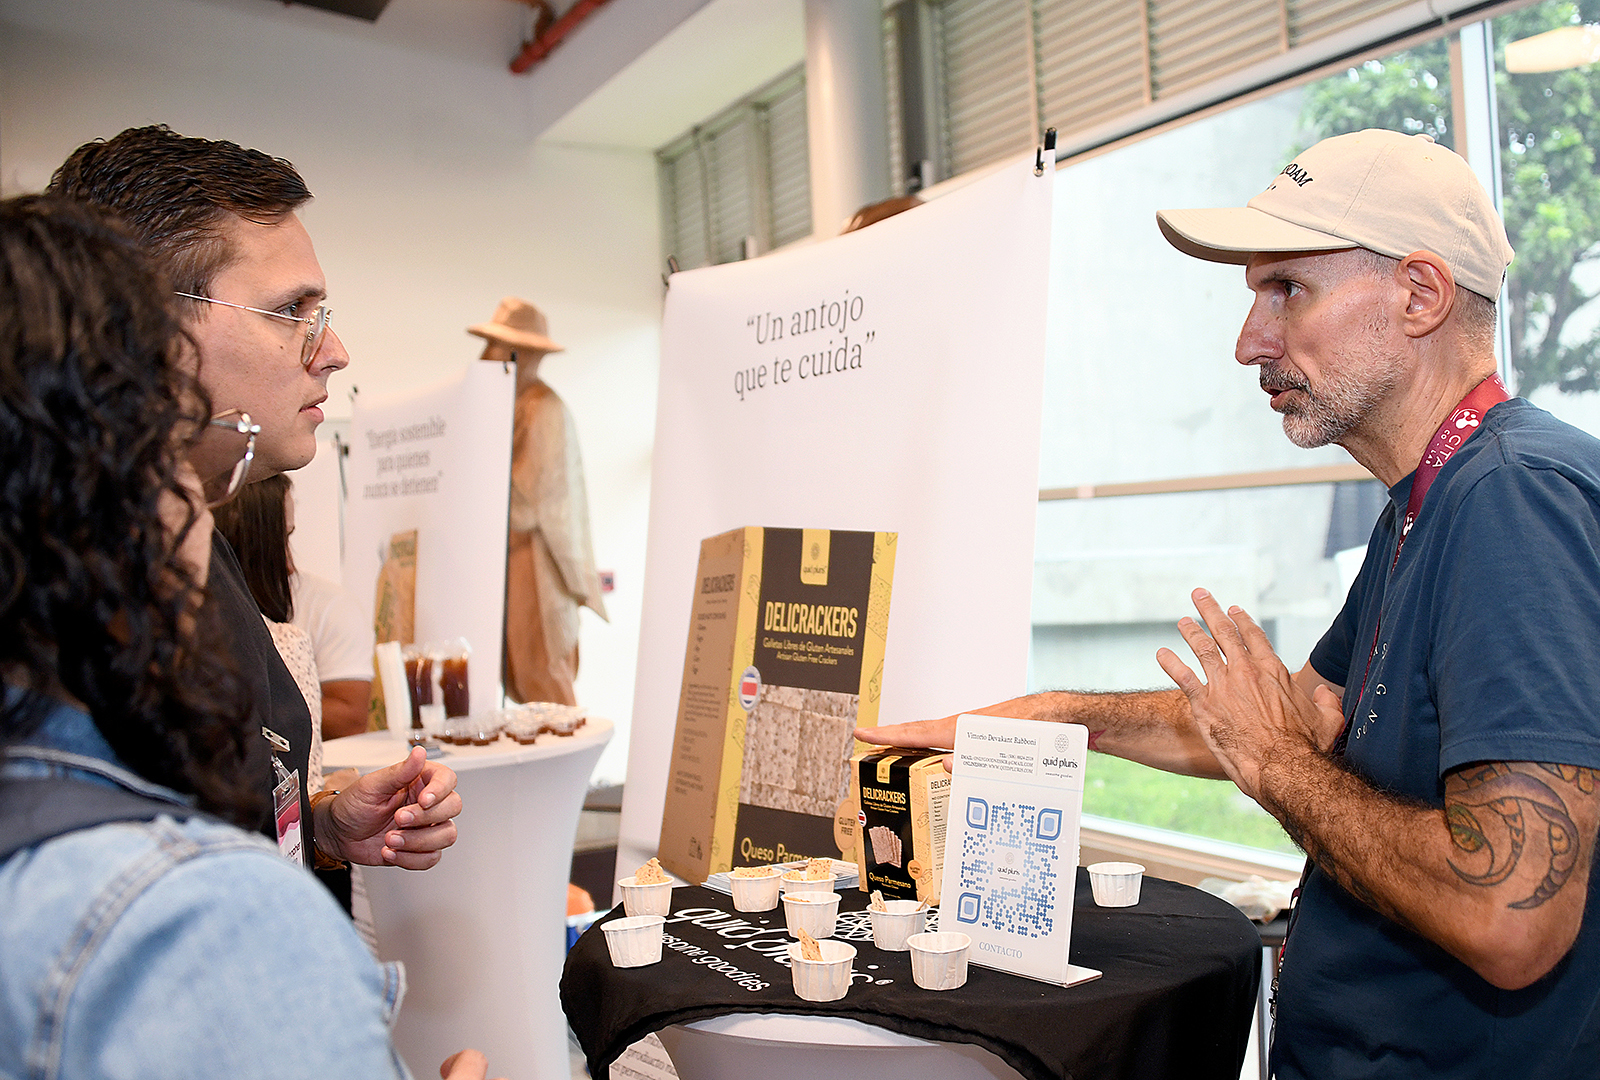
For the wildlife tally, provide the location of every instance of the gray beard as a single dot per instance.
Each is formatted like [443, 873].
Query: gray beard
[1327, 414]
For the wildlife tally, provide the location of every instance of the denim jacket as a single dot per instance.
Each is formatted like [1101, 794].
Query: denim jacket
[167, 949]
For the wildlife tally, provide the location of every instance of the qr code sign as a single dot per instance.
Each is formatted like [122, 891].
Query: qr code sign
[1009, 859]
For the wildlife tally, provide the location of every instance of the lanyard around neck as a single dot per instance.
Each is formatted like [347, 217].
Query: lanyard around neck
[1463, 420]
[1457, 428]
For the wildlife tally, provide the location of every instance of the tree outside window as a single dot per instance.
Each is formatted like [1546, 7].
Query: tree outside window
[1549, 133]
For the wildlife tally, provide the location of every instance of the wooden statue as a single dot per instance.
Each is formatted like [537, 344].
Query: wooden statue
[550, 570]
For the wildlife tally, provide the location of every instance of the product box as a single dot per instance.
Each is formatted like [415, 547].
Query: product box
[1011, 865]
[902, 798]
[784, 660]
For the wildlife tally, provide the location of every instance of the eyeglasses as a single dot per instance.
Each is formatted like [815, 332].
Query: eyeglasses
[221, 454]
[316, 323]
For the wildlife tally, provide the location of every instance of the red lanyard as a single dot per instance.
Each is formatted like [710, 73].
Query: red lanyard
[1463, 420]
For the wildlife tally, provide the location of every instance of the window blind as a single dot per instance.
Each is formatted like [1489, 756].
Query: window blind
[741, 178]
[985, 53]
[1193, 41]
[1091, 60]
[684, 218]
[1009, 68]
[1313, 19]
[788, 163]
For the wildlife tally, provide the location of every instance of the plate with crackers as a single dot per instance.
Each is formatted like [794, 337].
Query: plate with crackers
[845, 874]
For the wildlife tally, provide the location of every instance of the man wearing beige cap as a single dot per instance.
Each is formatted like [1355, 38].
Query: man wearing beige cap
[1438, 755]
[550, 570]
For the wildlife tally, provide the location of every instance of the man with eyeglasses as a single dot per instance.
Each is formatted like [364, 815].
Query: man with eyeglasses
[222, 223]
[1438, 756]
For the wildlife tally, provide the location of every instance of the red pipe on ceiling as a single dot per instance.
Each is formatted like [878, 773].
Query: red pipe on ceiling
[539, 48]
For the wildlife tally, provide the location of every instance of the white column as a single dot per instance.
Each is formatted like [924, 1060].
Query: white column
[845, 110]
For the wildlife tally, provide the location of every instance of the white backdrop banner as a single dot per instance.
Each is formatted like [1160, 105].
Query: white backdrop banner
[886, 380]
[318, 514]
[438, 460]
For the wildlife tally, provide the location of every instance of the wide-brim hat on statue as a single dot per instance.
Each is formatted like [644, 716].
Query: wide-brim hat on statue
[519, 324]
[1379, 190]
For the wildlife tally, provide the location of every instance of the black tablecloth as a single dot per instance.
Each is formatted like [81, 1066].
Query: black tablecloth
[1181, 973]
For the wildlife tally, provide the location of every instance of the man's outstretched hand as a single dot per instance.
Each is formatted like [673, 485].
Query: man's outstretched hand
[1249, 707]
[937, 734]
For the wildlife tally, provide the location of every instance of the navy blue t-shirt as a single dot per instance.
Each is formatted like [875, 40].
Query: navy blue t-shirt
[1490, 651]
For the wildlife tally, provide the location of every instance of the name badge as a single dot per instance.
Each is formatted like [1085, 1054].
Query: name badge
[286, 802]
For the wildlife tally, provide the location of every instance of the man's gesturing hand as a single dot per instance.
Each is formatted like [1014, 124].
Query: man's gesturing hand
[1249, 707]
[402, 815]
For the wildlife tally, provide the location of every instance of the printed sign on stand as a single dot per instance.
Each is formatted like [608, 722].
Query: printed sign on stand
[1011, 857]
[437, 461]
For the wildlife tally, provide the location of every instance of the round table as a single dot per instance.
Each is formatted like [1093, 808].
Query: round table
[483, 933]
[1181, 970]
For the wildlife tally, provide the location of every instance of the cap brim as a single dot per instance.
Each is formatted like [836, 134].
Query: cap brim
[1233, 234]
[496, 332]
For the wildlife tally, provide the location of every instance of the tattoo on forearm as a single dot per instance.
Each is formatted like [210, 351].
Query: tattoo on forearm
[1490, 810]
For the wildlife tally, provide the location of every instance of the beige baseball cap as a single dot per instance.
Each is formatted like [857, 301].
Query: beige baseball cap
[1380, 190]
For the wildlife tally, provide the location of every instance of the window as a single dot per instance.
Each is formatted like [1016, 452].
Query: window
[740, 183]
[1142, 392]
[1549, 135]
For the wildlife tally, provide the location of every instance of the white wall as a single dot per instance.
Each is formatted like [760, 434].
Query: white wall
[433, 201]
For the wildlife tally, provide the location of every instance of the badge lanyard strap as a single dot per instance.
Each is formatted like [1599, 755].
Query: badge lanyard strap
[1463, 420]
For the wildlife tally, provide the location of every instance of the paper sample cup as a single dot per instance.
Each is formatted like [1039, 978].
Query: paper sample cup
[1115, 884]
[646, 899]
[815, 913]
[826, 979]
[900, 920]
[755, 893]
[939, 960]
[634, 941]
[794, 882]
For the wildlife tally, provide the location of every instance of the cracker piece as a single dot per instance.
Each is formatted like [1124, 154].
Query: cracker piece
[819, 870]
[650, 874]
[877, 903]
[771, 755]
[886, 845]
[788, 696]
[822, 777]
[809, 949]
[751, 871]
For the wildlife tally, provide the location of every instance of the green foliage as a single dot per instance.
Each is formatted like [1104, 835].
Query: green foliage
[1120, 789]
[1549, 132]
[1408, 91]
[1550, 129]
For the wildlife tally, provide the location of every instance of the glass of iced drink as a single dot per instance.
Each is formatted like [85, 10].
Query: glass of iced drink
[453, 679]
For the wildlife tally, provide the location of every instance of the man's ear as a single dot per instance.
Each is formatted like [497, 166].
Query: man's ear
[1430, 290]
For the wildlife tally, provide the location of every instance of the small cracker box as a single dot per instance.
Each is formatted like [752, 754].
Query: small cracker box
[903, 798]
[784, 659]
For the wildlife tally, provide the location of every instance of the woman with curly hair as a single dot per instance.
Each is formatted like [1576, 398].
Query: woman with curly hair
[169, 943]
